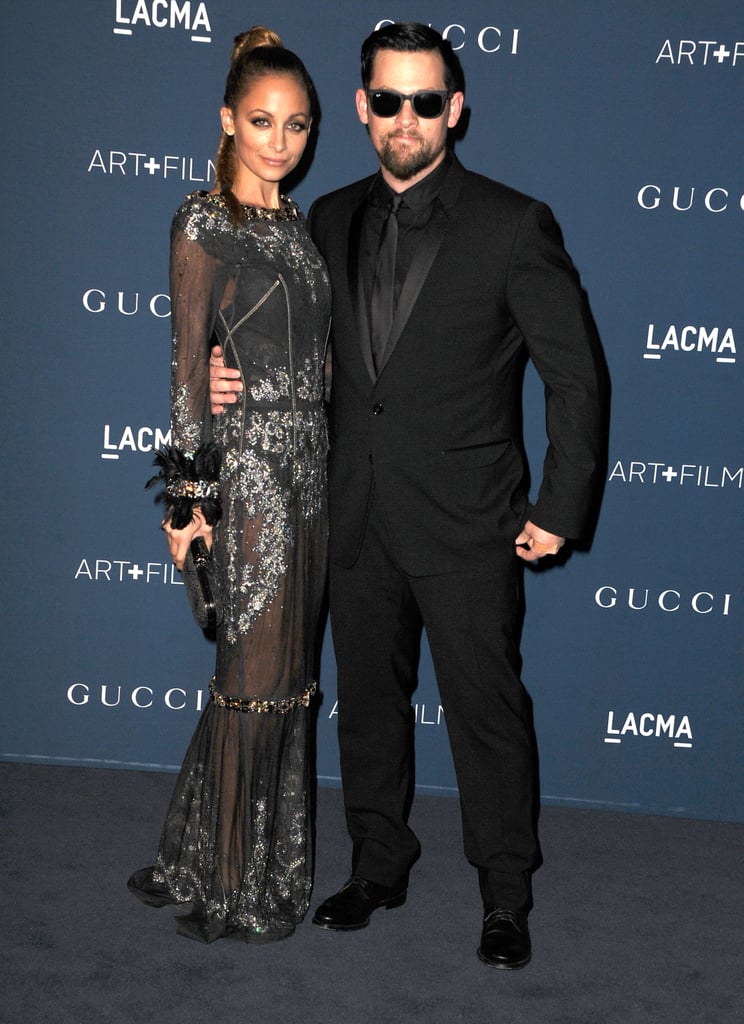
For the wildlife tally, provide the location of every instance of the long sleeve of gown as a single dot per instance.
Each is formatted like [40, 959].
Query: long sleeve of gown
[197, 281]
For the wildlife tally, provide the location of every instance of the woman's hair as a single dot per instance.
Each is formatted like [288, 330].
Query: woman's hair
[256, 53]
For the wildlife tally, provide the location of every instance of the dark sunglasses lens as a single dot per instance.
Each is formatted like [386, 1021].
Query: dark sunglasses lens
[388, 104]
[428, 104]
[385, 104]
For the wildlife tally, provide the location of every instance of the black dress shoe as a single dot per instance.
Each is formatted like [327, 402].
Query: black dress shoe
[505, 940]
[351, 907]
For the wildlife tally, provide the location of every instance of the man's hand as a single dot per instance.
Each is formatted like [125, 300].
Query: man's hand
[533, 543]
[225, 385]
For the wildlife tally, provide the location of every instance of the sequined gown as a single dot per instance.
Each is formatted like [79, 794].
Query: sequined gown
[236, 844]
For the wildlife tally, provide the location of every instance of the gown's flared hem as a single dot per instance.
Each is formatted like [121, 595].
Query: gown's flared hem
[197, 924]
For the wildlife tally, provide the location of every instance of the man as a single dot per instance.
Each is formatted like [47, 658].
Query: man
[436, 304]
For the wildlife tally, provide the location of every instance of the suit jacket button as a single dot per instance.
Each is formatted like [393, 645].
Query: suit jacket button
[378, 409]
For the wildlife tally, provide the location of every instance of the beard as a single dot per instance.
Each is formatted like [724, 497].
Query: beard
[405, 164]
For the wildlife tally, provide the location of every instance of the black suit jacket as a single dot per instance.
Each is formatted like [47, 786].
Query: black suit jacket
[438, 432]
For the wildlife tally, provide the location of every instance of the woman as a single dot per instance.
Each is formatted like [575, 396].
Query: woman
[244, 274]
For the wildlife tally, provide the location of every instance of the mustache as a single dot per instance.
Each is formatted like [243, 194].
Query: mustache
[399, 133]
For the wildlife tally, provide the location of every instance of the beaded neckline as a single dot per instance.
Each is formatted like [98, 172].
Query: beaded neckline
[288, 211]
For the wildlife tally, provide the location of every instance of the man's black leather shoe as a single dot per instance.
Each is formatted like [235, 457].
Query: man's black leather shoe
[351, 907]
[505, 940]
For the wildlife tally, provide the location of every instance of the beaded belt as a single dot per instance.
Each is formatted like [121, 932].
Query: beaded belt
[262, 707]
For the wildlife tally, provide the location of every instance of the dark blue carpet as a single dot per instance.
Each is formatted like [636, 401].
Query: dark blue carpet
[637, 920]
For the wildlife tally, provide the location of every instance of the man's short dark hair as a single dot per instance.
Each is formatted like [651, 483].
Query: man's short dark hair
[412, 37]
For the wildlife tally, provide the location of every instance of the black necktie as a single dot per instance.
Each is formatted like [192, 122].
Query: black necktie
[382, 300]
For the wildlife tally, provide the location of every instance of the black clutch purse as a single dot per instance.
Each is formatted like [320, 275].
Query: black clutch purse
[202, 577]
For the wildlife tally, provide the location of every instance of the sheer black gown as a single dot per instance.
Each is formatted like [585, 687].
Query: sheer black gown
[236, 844]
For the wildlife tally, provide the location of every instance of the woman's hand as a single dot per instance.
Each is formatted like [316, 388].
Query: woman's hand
[180, 540]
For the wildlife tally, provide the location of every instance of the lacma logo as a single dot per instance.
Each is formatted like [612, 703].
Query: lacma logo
[171, 14]
[718, 342]
[132, 439]
[649, 726]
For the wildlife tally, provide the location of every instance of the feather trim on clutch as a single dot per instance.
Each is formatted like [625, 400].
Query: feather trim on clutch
[190, 480]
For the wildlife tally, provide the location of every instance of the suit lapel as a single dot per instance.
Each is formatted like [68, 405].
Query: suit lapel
[356, 289]
[426, 253]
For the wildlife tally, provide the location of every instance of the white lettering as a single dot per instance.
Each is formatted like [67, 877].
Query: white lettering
[482, 39]
[709, 201]
[121, 20]
[696, 602]
[99, 305]
[103, 568]
[154, 302]
[180, 15]
[128, 312]
[602, 601]
[114, 161]
[651, 725]
[683, 343]
[665, 727]
[135, 696]
[104, 695]
[665, 53]
[670, 340]
[127, 440]
[656, 193]
[630, 725]
[685, 729]
[663, 604]
[84, 570]
[675, 199]
[727, 342]
[446, 35]
[141, 434]
[160, 22]
[642, 728]
[686, 49]
[97, 161]
[201, 19]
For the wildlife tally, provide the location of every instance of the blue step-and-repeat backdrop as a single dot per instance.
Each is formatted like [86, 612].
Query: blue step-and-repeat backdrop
[625, 117]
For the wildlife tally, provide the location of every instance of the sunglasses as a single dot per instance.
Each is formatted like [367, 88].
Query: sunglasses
[387, 102]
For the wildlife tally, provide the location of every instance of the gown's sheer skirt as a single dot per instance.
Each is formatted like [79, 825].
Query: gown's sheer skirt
[236, 845]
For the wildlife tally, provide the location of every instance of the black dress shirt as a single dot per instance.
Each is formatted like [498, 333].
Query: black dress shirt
[413, 216]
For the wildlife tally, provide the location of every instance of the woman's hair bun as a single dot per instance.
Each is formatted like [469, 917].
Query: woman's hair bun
[259, 35]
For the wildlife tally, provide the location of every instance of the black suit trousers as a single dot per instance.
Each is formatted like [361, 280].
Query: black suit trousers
[472, 621]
